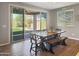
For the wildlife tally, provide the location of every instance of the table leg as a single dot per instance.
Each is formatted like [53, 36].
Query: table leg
[64, 41]
[51, 49]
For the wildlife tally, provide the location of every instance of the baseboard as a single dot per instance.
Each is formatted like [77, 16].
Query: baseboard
[73, 38]
[4, 44]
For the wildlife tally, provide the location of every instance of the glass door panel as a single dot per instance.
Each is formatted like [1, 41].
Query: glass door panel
[38, 22]
[17, 24]
[43, 21]
[28, 22]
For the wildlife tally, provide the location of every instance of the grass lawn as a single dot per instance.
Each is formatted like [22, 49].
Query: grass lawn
[15, 29]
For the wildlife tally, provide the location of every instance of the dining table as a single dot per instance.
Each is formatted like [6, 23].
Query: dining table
[52, 40]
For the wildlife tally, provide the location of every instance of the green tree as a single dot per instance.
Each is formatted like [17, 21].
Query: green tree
[19, 21]
[28, 23]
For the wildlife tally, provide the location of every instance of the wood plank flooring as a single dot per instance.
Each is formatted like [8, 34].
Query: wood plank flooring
[22, 49]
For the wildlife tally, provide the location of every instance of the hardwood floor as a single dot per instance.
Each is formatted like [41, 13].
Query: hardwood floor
[22, 49]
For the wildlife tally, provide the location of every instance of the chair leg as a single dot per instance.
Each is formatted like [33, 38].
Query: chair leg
[31, 48]
[36, 50]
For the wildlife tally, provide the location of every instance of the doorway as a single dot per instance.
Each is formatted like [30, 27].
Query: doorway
[17, 24]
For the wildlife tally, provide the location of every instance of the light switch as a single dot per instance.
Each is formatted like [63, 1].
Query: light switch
[4, 26]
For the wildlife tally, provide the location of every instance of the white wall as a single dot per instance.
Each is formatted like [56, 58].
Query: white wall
[72, 32]
[4, 24]
[52, 19]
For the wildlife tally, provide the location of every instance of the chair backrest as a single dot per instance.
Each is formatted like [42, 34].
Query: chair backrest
[35, 38]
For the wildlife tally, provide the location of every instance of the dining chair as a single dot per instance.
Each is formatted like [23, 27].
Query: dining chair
[35, 43]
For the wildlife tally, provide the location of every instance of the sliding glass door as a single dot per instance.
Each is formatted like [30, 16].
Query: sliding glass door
[28, 22]
[17, 24]
[24, 22]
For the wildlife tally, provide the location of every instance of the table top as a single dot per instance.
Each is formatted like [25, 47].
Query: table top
[52, 41]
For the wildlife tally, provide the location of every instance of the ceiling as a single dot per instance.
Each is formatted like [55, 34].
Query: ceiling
[50, 5]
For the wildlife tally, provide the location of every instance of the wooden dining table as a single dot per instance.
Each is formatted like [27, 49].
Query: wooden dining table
[53, 42]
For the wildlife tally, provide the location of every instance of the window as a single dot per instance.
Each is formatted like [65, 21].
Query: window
[38, 22]
[28, 22]
[41, 21]
[35, 21]
[17, 29]
[17, 22]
